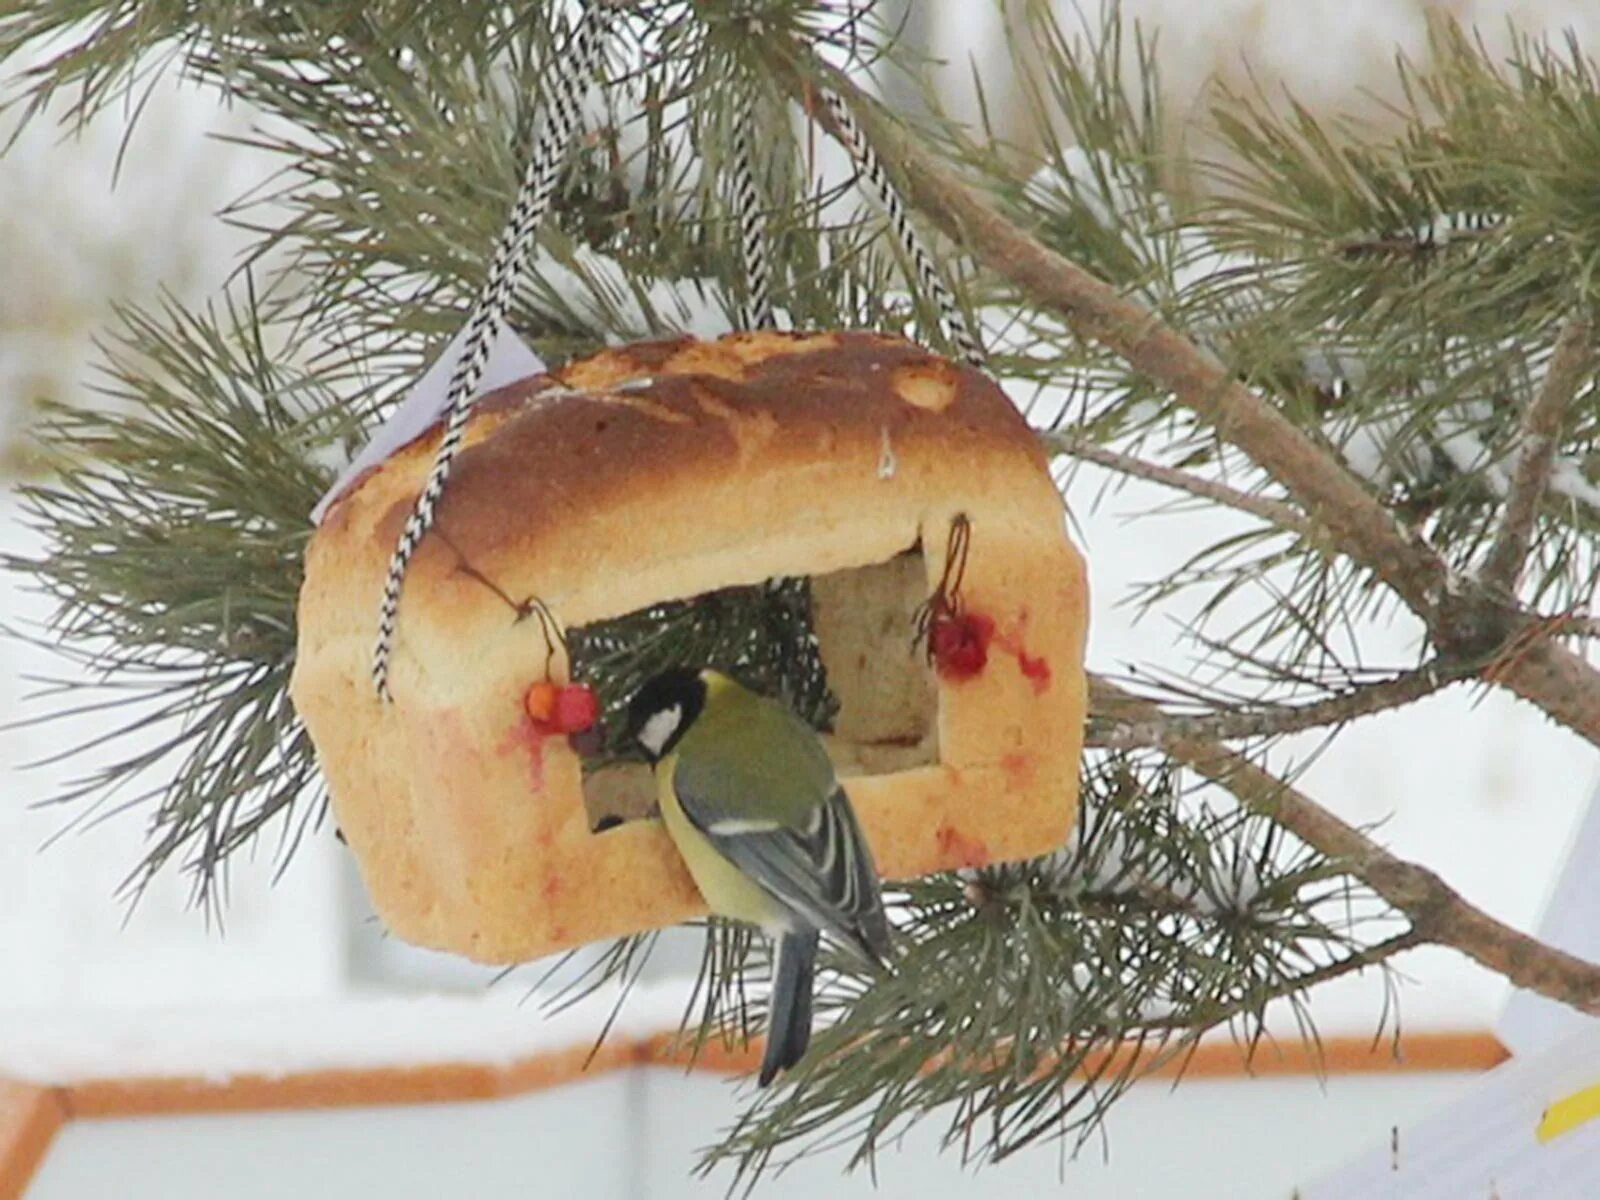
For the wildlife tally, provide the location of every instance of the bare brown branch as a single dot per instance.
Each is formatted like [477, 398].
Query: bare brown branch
[1273, 721]
[1436, 910]
[1559, 682]
[1274, 512]
[1540, 435]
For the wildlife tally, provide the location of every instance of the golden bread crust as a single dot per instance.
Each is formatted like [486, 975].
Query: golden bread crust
[660, 471]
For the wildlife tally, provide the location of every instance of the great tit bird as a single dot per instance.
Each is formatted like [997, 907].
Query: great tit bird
[752, 803]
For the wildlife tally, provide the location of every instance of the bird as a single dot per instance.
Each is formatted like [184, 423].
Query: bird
[752, 803]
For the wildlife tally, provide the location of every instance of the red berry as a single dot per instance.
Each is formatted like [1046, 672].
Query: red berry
[539, 702]
[960, 644]
[577, 708]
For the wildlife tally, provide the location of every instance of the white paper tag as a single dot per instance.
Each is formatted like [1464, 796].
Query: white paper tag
[510, 359]
[1528, 1128]
[1571, 922]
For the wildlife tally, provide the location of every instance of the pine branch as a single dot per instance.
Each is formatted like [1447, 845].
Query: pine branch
[1463, 618]
[173, 548]
[1163, 918]
[1436, 910]
[1027, 998]
[1331, 495]
[1539, 438]
[1273, 512]
[1277, 720]
[1352, 963]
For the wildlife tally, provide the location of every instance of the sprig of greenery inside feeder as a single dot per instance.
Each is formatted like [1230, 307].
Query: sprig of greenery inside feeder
[760, 634]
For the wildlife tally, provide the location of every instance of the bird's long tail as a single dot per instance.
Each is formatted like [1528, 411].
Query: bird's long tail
[789, 1028]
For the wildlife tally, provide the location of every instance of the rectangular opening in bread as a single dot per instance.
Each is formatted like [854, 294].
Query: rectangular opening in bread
[880, 712]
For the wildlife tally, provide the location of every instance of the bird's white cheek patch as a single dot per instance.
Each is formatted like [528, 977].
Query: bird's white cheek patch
[658, 730]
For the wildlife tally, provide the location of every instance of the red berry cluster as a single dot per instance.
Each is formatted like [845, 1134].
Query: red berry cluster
[570, 708]
[958, 642]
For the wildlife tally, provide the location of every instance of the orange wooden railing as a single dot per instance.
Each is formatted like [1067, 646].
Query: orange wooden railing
[31, 1113]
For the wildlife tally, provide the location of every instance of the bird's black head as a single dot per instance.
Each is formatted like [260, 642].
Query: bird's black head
[663, 709]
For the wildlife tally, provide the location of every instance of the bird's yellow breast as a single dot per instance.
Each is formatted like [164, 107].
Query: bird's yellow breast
[728, 892]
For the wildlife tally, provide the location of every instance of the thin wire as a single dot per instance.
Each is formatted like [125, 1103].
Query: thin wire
[951, 319]
[575, 65]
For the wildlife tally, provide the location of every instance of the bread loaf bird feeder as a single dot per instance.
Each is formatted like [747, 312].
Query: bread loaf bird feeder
[939, 596]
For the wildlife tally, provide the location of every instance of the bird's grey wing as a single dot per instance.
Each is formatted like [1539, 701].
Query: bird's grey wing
[821, 870]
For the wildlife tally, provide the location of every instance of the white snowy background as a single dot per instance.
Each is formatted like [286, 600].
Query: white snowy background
[1487, 792]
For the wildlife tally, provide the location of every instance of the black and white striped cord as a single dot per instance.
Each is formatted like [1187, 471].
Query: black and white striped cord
[757, 312]
[574, 67]
[951, 318]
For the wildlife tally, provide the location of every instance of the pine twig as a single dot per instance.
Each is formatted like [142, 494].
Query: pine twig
[1464, 618]
[1072, 976]
[1168, 1050]
[1357, 960]
[1276, 720]
[1273, 512]
[1436, 910]
[1539, 436]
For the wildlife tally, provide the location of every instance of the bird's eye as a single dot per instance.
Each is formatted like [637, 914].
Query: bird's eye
[658, 730]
